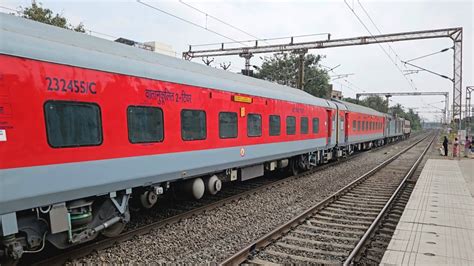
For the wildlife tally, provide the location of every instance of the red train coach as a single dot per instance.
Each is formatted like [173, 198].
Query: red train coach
[87, 124]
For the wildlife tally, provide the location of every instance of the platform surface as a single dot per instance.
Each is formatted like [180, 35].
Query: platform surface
[437, 225]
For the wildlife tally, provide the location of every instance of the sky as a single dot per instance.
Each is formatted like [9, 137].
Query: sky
[371, 69]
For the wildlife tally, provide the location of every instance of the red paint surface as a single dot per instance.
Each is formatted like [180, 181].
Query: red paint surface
[23, 92]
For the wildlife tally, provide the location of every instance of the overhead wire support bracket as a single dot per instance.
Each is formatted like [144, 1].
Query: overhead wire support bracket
[429, 71]
[455, 34]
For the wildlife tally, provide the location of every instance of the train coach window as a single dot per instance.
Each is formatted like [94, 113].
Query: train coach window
[227, 125]
[358, 125]
[73, 124]
[193, 124]
[290, 125]
[304, 125]
[254, 125]
[354, 125]
[315, 125]
[145, 124]
[275, 125]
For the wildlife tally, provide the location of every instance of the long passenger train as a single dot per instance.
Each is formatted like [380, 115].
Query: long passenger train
[88, 125]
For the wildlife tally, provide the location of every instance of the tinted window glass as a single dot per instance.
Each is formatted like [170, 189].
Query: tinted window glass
[274, 125]
[72, 124]
[354, 125]
[227, 125]
[145, 124]
[358, 125]
[254, 125]
[304, 125]
[315, 125]
[193, 124]
[290, 125]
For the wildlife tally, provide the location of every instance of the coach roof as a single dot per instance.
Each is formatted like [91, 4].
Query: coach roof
[359, 108]
[30, 39]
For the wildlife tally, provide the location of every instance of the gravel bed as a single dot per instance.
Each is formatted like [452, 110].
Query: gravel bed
[215, 235]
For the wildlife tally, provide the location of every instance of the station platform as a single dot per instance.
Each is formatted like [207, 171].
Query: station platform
[437, 225]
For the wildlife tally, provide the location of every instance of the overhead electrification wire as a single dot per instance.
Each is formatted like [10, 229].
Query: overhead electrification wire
[380, 45]
[7, 8]
[331, 69]
[219, 20]
[188, 21]
[409, 80]
[423, 56]
[344, 85]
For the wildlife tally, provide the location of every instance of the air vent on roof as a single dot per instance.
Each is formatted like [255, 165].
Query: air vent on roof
[134, 44]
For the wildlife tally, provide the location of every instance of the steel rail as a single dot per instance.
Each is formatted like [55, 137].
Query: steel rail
[242, 255]
[386, 207]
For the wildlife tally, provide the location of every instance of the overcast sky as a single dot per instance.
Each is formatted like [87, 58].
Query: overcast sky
[373, 70]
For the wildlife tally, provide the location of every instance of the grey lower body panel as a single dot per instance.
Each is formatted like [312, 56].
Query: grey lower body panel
[364, 138]
[29, 187]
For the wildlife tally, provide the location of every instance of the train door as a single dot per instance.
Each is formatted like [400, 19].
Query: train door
[346, 127]
[342, 133]
[329, 127]
[334, 128]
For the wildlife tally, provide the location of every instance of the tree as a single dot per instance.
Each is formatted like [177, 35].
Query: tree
[350, 100]
[376, 103]
[44, 15]
[282, 68]
[414, 118]
[397, 110]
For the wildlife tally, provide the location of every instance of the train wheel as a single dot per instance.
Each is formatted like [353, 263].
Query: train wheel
[118, 227]
[114, 230]
[294, 169]
[9, 262]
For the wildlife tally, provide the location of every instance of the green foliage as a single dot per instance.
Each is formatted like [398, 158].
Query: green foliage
[376, 103]
[350, 100]
[44, 15]
[410, 115]
[414, 119]
[282, 68]
[397, 110]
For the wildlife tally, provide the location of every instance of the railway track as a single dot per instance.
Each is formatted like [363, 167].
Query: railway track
[338, 229]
